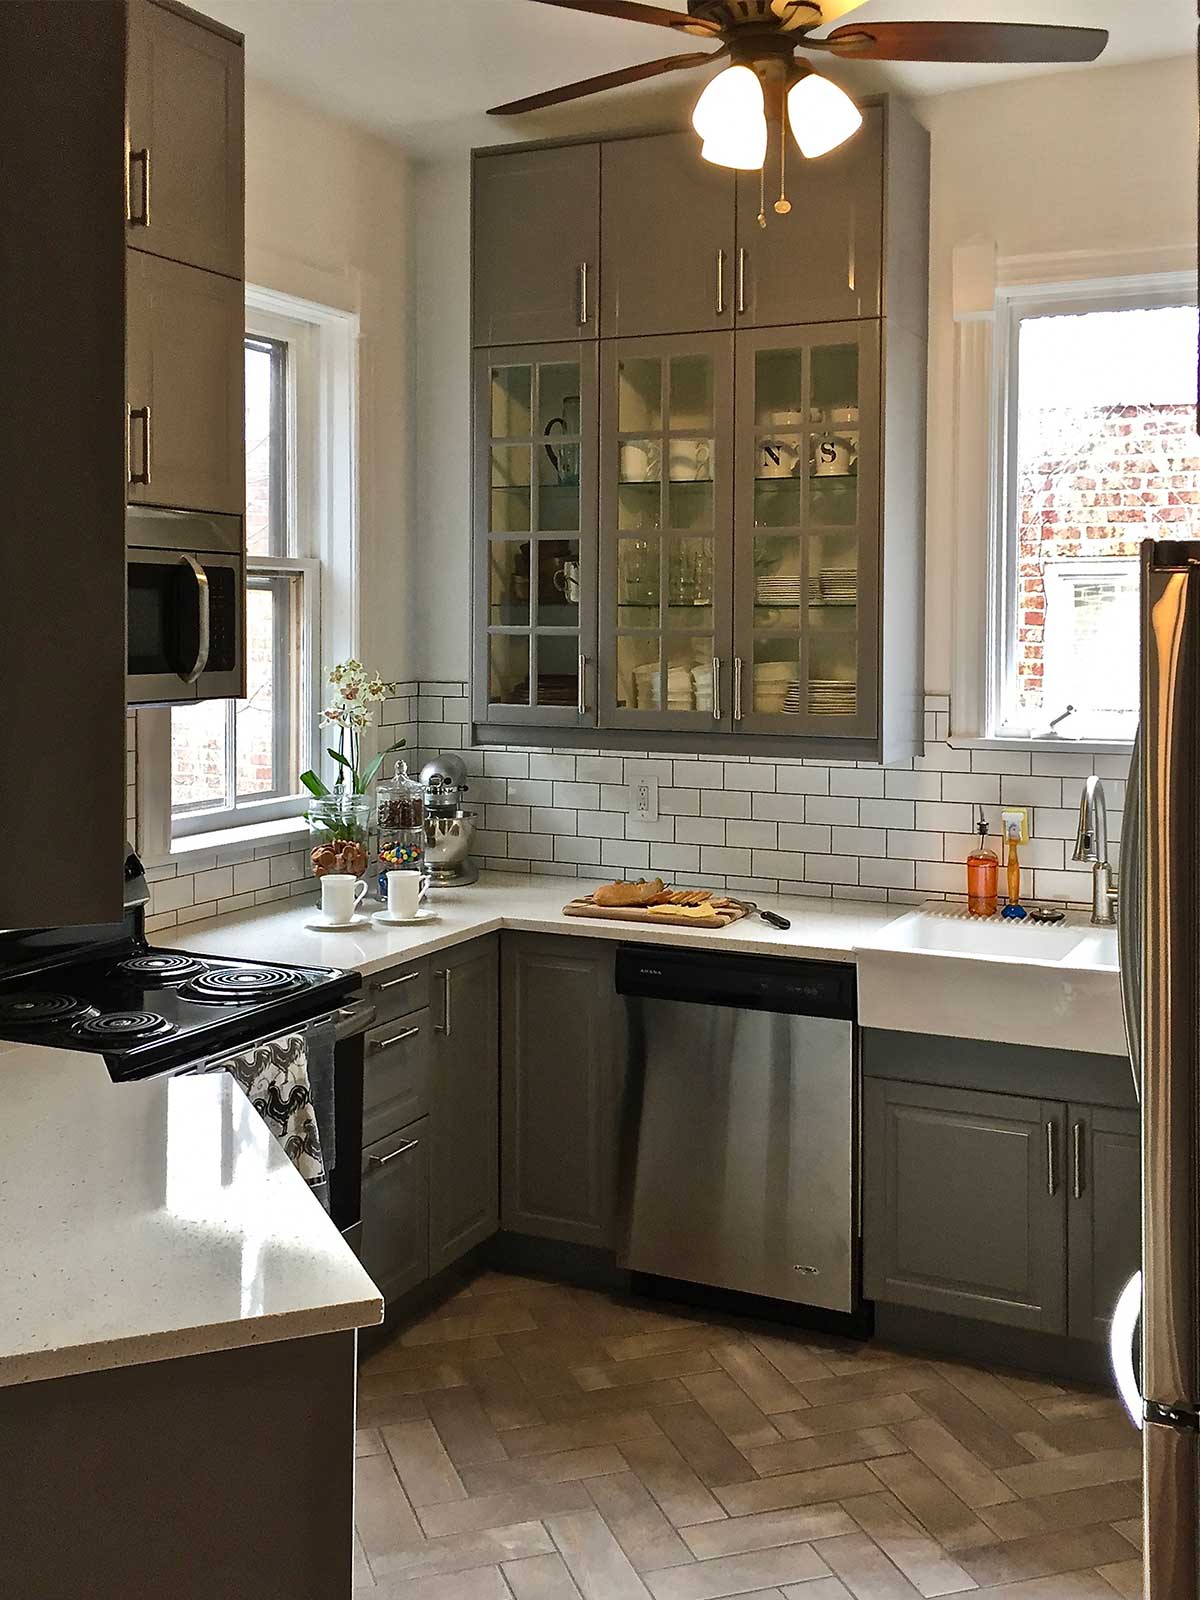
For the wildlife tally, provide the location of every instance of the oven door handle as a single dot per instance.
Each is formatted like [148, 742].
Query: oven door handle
[352, 1020]
[203, 619]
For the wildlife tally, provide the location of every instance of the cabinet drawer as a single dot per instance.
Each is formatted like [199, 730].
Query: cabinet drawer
[399, 990]
[395, 1210]
[396, 1074]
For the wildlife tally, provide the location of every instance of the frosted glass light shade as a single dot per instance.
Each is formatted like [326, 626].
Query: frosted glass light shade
[730, 118]
[822, 115]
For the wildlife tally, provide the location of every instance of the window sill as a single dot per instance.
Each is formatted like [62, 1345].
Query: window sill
[246, 833]
[1076, 747]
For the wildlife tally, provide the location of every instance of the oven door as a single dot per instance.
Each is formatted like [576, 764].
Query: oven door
[185, 621]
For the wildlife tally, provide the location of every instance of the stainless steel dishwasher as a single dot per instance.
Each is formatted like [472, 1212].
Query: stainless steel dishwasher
[738, 1137]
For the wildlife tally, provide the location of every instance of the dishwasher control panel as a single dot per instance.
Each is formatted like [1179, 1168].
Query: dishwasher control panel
[772, 983]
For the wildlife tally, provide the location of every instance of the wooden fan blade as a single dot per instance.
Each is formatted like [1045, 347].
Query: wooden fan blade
[965, 41]
[629, 11]
[606, 80]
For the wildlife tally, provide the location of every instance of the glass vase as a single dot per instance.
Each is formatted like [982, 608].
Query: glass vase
[339, 828]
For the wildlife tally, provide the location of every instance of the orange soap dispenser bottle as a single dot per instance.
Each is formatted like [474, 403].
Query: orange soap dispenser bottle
[983, 869]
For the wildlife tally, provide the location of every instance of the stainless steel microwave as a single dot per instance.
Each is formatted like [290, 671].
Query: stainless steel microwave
[186, 621]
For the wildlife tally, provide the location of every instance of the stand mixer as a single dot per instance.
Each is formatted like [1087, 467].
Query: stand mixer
[449, 829]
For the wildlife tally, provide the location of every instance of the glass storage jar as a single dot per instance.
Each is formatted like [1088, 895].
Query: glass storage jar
[339, 828]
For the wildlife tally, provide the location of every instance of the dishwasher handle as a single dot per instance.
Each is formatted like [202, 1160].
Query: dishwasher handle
[746, 983]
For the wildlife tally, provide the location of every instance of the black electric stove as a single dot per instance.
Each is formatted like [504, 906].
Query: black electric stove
[148, 1011]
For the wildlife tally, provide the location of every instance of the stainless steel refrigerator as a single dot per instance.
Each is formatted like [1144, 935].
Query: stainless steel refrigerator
[1156, 1354]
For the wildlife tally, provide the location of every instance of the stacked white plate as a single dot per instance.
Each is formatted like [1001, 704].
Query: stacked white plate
[702, 688]
[784, 590]
[645, 687]
[772, 680]
[680, 696]
[839, 585]
[831, 697]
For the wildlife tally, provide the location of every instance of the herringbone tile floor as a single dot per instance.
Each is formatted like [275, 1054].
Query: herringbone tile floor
[528, 1441]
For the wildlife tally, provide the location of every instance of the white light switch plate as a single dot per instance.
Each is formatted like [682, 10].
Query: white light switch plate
[643, 793]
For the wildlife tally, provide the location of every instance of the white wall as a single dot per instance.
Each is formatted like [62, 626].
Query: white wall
[328, 219]
[1097, 160]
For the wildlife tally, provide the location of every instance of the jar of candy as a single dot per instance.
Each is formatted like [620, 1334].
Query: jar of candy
[400, 802]
[400, 850]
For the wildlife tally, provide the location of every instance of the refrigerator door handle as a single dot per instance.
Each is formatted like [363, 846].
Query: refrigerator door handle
[1122, 1341]
[1130, 914]
[1170, 1025]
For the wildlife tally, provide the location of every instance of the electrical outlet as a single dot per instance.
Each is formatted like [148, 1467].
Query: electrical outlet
[643, 794]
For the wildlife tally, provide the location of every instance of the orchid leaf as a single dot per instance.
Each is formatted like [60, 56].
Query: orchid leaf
[315, 785]
[373, 766]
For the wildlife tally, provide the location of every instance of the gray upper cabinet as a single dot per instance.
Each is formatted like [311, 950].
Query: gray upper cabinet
[1105, 1213]
[562, 1058]
[823, 261]
[965, 1204]
[667, 249]
[184, 385]
[535, 535]
[464, 1201]
[536, 245]
[185, 140]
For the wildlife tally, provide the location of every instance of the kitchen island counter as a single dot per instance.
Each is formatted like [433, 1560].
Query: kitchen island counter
[146, 1221]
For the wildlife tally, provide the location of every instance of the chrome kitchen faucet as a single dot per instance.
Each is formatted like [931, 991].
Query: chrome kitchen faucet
[1091, 844]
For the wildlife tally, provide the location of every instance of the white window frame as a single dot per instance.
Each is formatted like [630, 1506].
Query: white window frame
[321, 495]
[983, 288]
[1015, 305]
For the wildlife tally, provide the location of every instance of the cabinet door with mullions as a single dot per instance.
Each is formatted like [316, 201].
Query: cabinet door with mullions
[806, 539]
[535, 535]
[666, 499]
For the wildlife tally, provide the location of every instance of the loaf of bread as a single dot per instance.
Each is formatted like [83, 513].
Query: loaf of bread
[621, 893]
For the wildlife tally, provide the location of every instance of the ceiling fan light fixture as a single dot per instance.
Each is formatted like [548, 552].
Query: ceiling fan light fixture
[730, 117]
[821, 115]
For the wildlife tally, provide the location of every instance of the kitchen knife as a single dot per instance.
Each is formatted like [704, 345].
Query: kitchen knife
[772, 917]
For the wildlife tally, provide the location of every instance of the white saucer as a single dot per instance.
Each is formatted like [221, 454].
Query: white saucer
[426, 914]
[319, 925]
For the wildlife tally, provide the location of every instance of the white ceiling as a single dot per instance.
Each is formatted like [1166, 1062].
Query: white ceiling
[418, 71]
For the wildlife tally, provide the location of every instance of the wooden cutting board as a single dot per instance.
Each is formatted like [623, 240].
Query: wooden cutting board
[586, 907]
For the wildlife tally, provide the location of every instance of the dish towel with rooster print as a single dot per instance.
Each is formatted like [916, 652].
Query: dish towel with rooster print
[276, 1080]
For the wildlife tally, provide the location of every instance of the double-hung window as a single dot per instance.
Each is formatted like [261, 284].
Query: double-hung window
[1098, 451]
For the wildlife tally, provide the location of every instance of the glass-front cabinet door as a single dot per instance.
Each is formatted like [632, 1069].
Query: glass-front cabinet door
[666, 503]
[535, 536]
[806, 645]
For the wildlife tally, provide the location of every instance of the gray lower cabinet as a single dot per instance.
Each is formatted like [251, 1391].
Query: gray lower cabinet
[964, 1208]
[1104, 1211]
[395, 1210]
[561, 1073]
[464, 1199]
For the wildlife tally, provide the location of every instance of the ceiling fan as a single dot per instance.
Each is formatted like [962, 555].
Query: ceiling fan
[764, 80]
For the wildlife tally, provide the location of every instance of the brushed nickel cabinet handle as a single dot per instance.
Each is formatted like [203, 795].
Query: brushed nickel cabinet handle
[1077, 1160]
[382, 1161]
[737, 688]
[394, 983]
[581, 703]
[716, 688]
[141, 218]
[1051, 1159]
[395, 1038]
[139, 414]
[583, 294]
[741, 279]
[720, 283]
[444, 1026]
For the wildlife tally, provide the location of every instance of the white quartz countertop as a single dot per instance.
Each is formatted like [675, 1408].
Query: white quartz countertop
[145, 1221]
[824, 930]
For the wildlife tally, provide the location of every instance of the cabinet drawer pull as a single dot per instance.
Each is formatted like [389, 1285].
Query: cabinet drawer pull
[394, 983]
[138, 219]
[716, 688]
[720, 283]
[1051, 1159]
[583, 294]
[737, 688]
[1077, 1160]
[581, 705]
[382, 1161]
[137, 414]
[741, 280]
[396, 1038]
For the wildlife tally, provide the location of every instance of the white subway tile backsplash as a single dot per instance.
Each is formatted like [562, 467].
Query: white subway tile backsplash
[803, 780]
[675, 857]
[905, 846]
[251, 875]
[857, 780]
[779, 807]
[661, 830]
[1016, 762]
[531, 846]
[511, 764]
[885, 874]
[807, 836]
[759, 835]
[513, 818]
[886, 814]
[1022, 791]
[725, 803]
[529, 792]
[899, 785]
[980, 788]
[600, 769]
[750, 775]
[859, 841]
[697, 774]
[779, 863]
[833, 869]
[723, 858]
[577, 794]
[569, 848]
[700, 830]
[553, 819]
[679, 802]
[624, 853]
[943, 815]
[837, 809]
[601, 824]
[542, 766]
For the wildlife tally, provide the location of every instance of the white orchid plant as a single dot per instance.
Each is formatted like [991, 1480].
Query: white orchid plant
[356, 692]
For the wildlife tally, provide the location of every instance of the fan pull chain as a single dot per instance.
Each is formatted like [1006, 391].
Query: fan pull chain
[762, 195]
[783, 205]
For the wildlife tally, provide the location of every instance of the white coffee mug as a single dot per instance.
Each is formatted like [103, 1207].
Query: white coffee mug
[405, 891]
[341, 896]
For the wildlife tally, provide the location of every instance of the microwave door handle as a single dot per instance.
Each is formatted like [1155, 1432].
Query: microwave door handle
[203, 634]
